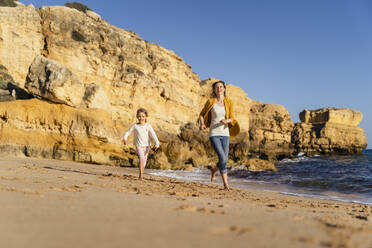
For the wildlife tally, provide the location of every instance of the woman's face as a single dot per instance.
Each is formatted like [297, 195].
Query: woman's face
[219, 89]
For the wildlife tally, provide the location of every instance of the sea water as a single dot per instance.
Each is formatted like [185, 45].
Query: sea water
[343, 178]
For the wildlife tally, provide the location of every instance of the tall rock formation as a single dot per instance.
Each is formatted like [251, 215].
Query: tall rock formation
[270, 132]
[329, 130]
[132, 72]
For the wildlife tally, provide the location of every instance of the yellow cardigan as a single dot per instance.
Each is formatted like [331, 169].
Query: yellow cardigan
[206, 114]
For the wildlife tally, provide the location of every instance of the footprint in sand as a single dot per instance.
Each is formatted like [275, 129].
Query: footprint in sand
[25, 191]
[34, 168]
[74, 188]
[299, 218]
[203, 210]
[16, 179]
[309, 240]
[238, 230]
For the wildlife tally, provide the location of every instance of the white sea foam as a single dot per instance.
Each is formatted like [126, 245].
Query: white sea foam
[300, 159]
[361, 200]
[300, 154]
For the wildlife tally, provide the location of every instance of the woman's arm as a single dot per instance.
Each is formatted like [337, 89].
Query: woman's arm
[231, 111]
[201, 123]
[201, 115]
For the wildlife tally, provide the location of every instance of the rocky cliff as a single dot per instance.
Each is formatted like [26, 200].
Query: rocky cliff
[329, 131]
[89, 78]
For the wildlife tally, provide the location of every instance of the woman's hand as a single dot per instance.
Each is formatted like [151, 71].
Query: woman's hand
[201, 124]
[225, 121]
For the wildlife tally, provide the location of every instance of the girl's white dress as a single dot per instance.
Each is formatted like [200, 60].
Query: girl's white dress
[142, 135]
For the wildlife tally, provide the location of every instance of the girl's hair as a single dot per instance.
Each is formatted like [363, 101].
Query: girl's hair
[142, 110]
[214, 85]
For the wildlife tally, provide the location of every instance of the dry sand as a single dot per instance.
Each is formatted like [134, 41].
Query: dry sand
[50, 203]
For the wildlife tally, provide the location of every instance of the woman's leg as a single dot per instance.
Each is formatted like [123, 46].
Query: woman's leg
[213, 173]
[225, 146]
[220, 145]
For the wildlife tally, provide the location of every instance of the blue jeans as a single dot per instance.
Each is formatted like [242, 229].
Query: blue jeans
[220, 145]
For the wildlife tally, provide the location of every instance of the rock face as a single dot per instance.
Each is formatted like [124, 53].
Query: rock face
[270, 132]
[91, 77]
[332, 115]
[329, 130]
[133, 73]
[37, 128]
[255, 164]
[49, 80]
[5, 79]
[21, 40]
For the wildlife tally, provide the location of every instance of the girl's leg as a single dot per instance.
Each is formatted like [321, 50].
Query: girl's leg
[142, 161]
[146, 151]
[141, 169]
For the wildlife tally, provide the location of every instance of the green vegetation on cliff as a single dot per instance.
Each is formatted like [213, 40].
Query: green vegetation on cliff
[5, 78]
[78, 36]
[8, 3]
[79, 6]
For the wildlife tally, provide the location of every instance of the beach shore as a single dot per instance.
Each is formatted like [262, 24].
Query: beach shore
[51, 203]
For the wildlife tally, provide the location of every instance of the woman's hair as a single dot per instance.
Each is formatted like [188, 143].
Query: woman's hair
[142, 110]
[214, 85]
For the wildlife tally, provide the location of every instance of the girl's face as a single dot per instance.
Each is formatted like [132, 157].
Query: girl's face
[141, 117]
[219, 89]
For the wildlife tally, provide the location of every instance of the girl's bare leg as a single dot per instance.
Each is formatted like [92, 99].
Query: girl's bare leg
[141, 169]
[213, 173]
[224, 179]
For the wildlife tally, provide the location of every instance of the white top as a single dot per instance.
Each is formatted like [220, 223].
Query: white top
[142, 135]
[217, 128]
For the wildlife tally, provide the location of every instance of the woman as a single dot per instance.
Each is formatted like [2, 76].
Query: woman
[218, 115]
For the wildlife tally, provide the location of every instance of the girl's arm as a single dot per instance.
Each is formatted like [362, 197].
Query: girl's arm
[153, 135]
[127, 133]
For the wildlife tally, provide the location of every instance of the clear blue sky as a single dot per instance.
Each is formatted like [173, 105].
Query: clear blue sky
[299, 54]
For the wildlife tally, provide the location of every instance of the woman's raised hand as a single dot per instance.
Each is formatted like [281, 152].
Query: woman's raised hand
[225, 121]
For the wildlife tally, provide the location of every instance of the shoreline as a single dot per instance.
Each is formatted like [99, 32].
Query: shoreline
[52, 203]
[269, 187]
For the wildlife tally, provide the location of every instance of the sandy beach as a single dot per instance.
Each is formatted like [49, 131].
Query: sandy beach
[51, 203]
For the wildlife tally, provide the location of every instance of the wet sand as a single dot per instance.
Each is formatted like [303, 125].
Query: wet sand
[51, 203]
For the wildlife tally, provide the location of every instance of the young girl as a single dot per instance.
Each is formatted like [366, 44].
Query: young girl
[142, 139]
